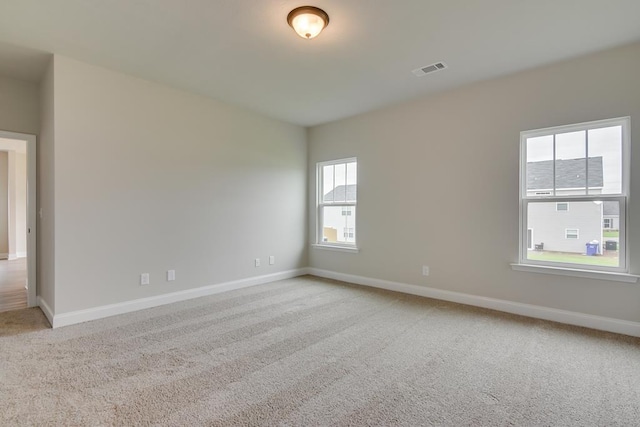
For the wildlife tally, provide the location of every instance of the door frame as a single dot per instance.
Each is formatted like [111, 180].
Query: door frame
[32, 283]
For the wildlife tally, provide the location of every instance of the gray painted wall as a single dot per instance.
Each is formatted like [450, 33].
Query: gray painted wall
[45, 182]
[4, 204]
[438, 182]
[148, 178]
[19, 105]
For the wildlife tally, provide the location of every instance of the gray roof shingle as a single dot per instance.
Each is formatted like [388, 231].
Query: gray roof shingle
[611, 208]
[342, 193]
[570, 173]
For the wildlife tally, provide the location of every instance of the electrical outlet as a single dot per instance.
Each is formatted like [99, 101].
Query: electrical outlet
[171, 275]
[425, 270]
[257, 262]
[144, 279]
[272, 260]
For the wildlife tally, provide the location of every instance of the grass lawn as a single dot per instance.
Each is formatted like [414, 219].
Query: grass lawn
[571, 258]
[611, 233]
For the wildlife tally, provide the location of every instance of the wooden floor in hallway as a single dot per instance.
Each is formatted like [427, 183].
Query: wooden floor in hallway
[13, 277]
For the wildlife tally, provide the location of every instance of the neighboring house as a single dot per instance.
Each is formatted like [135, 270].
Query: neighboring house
[611, 216]
[340, 221]
[566, 227]
[570, 176]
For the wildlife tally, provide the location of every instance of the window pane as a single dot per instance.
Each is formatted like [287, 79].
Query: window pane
[605, 149]
[540, 166]
[338, 228]
[341, 182]
[571, 172]
[574, 236]
[352, 181]
[327, 183]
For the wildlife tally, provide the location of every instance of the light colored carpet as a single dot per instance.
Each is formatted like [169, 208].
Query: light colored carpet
[308, 351]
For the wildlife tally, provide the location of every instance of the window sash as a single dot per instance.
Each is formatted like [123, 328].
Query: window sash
[623, 122]
[623, 256]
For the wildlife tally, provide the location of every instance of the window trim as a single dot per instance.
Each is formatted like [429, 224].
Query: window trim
[553, 267]
[348, 246]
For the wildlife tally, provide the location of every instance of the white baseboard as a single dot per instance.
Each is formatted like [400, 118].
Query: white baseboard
[45, 309]
[73, 317]
[539, 312]
[21, 254]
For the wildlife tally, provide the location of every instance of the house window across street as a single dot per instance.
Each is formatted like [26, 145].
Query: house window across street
[571, 233]
[574, 184]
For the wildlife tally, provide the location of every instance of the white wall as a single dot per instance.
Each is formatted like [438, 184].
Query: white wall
[19, 105]
[148, 178]
[438, 182]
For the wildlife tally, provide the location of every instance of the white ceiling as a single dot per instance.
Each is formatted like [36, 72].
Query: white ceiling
[244, 53]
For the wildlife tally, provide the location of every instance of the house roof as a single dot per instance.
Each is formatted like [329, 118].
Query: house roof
[342, 193]
[611, 208]
[570, 173]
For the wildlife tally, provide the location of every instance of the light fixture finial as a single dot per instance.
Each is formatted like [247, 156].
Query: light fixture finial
[308, 21]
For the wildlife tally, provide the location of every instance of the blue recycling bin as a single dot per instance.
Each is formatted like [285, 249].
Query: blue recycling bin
[592, 248]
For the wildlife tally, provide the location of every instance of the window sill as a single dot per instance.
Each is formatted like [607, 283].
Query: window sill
[576, 272]
[351, 249]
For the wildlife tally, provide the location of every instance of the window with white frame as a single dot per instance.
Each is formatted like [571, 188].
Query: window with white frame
[570, 177]
[337, 200]
[607, 223]
[571, 233]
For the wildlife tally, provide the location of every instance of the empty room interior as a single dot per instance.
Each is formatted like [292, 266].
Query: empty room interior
[341, 212]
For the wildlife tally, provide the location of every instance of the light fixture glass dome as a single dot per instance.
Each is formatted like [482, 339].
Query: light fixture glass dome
[308, 21]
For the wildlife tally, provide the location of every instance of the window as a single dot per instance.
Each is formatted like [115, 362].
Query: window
[571, 233]
[570, 178]
[337, 200]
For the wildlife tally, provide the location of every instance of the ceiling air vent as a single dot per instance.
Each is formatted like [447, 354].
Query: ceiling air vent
[429, 69]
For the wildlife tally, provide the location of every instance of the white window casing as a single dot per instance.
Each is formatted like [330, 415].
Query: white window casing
[337, 217]
[561, 197]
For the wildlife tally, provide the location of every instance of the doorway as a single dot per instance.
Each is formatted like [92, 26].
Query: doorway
[17, 221]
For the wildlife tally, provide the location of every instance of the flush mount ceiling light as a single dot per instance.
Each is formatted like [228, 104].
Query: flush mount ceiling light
[308, 21]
